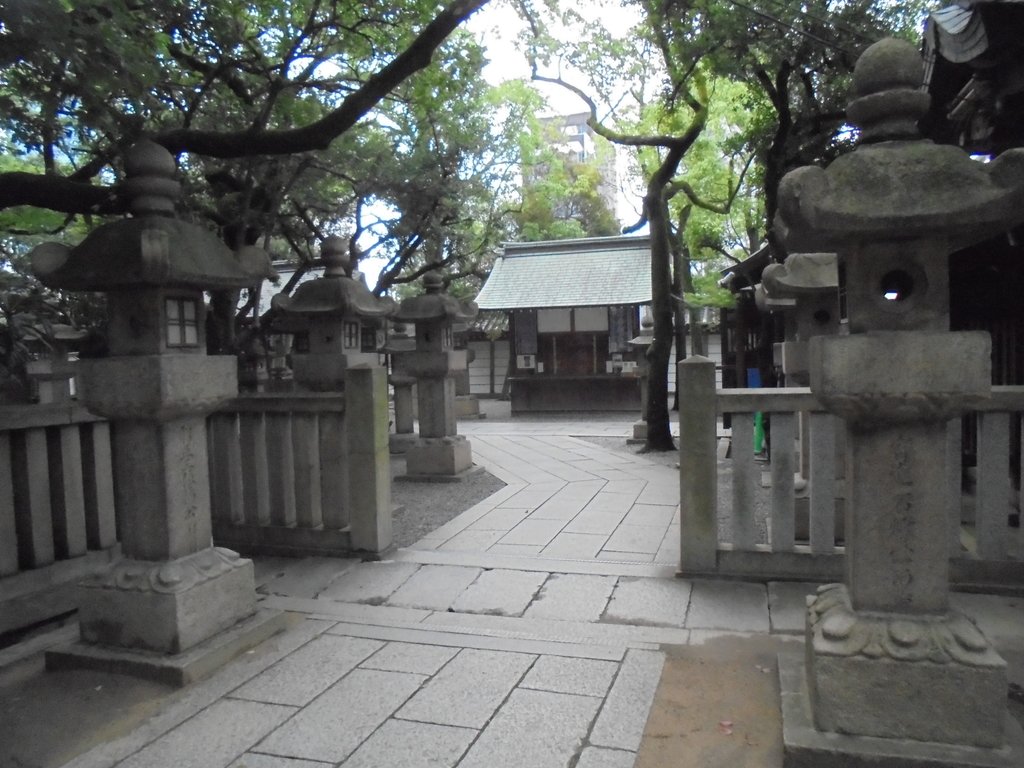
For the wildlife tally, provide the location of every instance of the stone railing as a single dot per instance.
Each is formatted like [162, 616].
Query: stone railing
[280, 469]
[746, 516]
[57, 513]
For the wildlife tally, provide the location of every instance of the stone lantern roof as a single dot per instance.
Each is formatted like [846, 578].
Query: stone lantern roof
[896, 185]
[336, 294]
[435, 304]
[152, 248]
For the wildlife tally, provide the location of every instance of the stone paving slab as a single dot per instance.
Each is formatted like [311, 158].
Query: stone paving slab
[599, 757]
[577, 546]
[500, 519]
[515, 549]
[309, 671]
[337, 722]
[200, 696]
[660, 515]
[617, 635]
[500, 592]
[728, 605]
[213, 738]
[583, 677]
[572, 597]
[661, 602]
[434, 587]
[472, 541]
[642, 539]
[254, 760]
[624, 714]
[351, 612]
[550, 565]
[405, 744]
[469, 689]
[536, 532]
[535, 728]
[418, 658]
[369, 583]
[597, 521]
[488, 640]
[1000, 618]
[303, 578]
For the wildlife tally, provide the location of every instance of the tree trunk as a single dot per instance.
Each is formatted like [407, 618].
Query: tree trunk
[659, 432]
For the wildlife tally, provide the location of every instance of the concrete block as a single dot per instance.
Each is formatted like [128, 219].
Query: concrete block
[535, 728]
[469, 689]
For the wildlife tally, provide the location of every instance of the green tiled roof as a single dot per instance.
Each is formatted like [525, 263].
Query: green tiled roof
[589, 272]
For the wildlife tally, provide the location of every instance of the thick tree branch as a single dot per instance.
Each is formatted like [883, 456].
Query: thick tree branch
[74, 197]
[320, 134]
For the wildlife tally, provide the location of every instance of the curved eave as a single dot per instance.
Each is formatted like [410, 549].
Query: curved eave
[151, 252]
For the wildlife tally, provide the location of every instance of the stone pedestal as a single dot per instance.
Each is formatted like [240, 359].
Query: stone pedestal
[438, 457]
[404, 435]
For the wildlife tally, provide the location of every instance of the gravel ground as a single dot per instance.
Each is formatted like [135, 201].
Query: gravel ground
[425, 506]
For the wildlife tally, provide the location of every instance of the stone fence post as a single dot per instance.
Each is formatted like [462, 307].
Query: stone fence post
[366, 410]
[698, 482]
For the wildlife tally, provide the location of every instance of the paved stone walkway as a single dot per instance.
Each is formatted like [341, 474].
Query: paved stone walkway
[526, 632]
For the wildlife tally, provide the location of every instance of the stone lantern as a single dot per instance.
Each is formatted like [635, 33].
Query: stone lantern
[889, 665]
[640, 344]
[52, 372]
[399, 344]
[343, 322]
[174, 601]
[440, 450]
[805, 290]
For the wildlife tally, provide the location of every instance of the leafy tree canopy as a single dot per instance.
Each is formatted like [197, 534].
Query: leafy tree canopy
[291, 120]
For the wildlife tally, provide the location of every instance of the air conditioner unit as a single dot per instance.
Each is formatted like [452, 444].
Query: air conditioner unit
[526, 361]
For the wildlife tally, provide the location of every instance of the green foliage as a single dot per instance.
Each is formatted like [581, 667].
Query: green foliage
[82, 80]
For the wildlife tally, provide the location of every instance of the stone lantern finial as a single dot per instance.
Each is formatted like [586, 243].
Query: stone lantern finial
[889, 102]
[151, 186]
[433, 282]
[334, 253]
